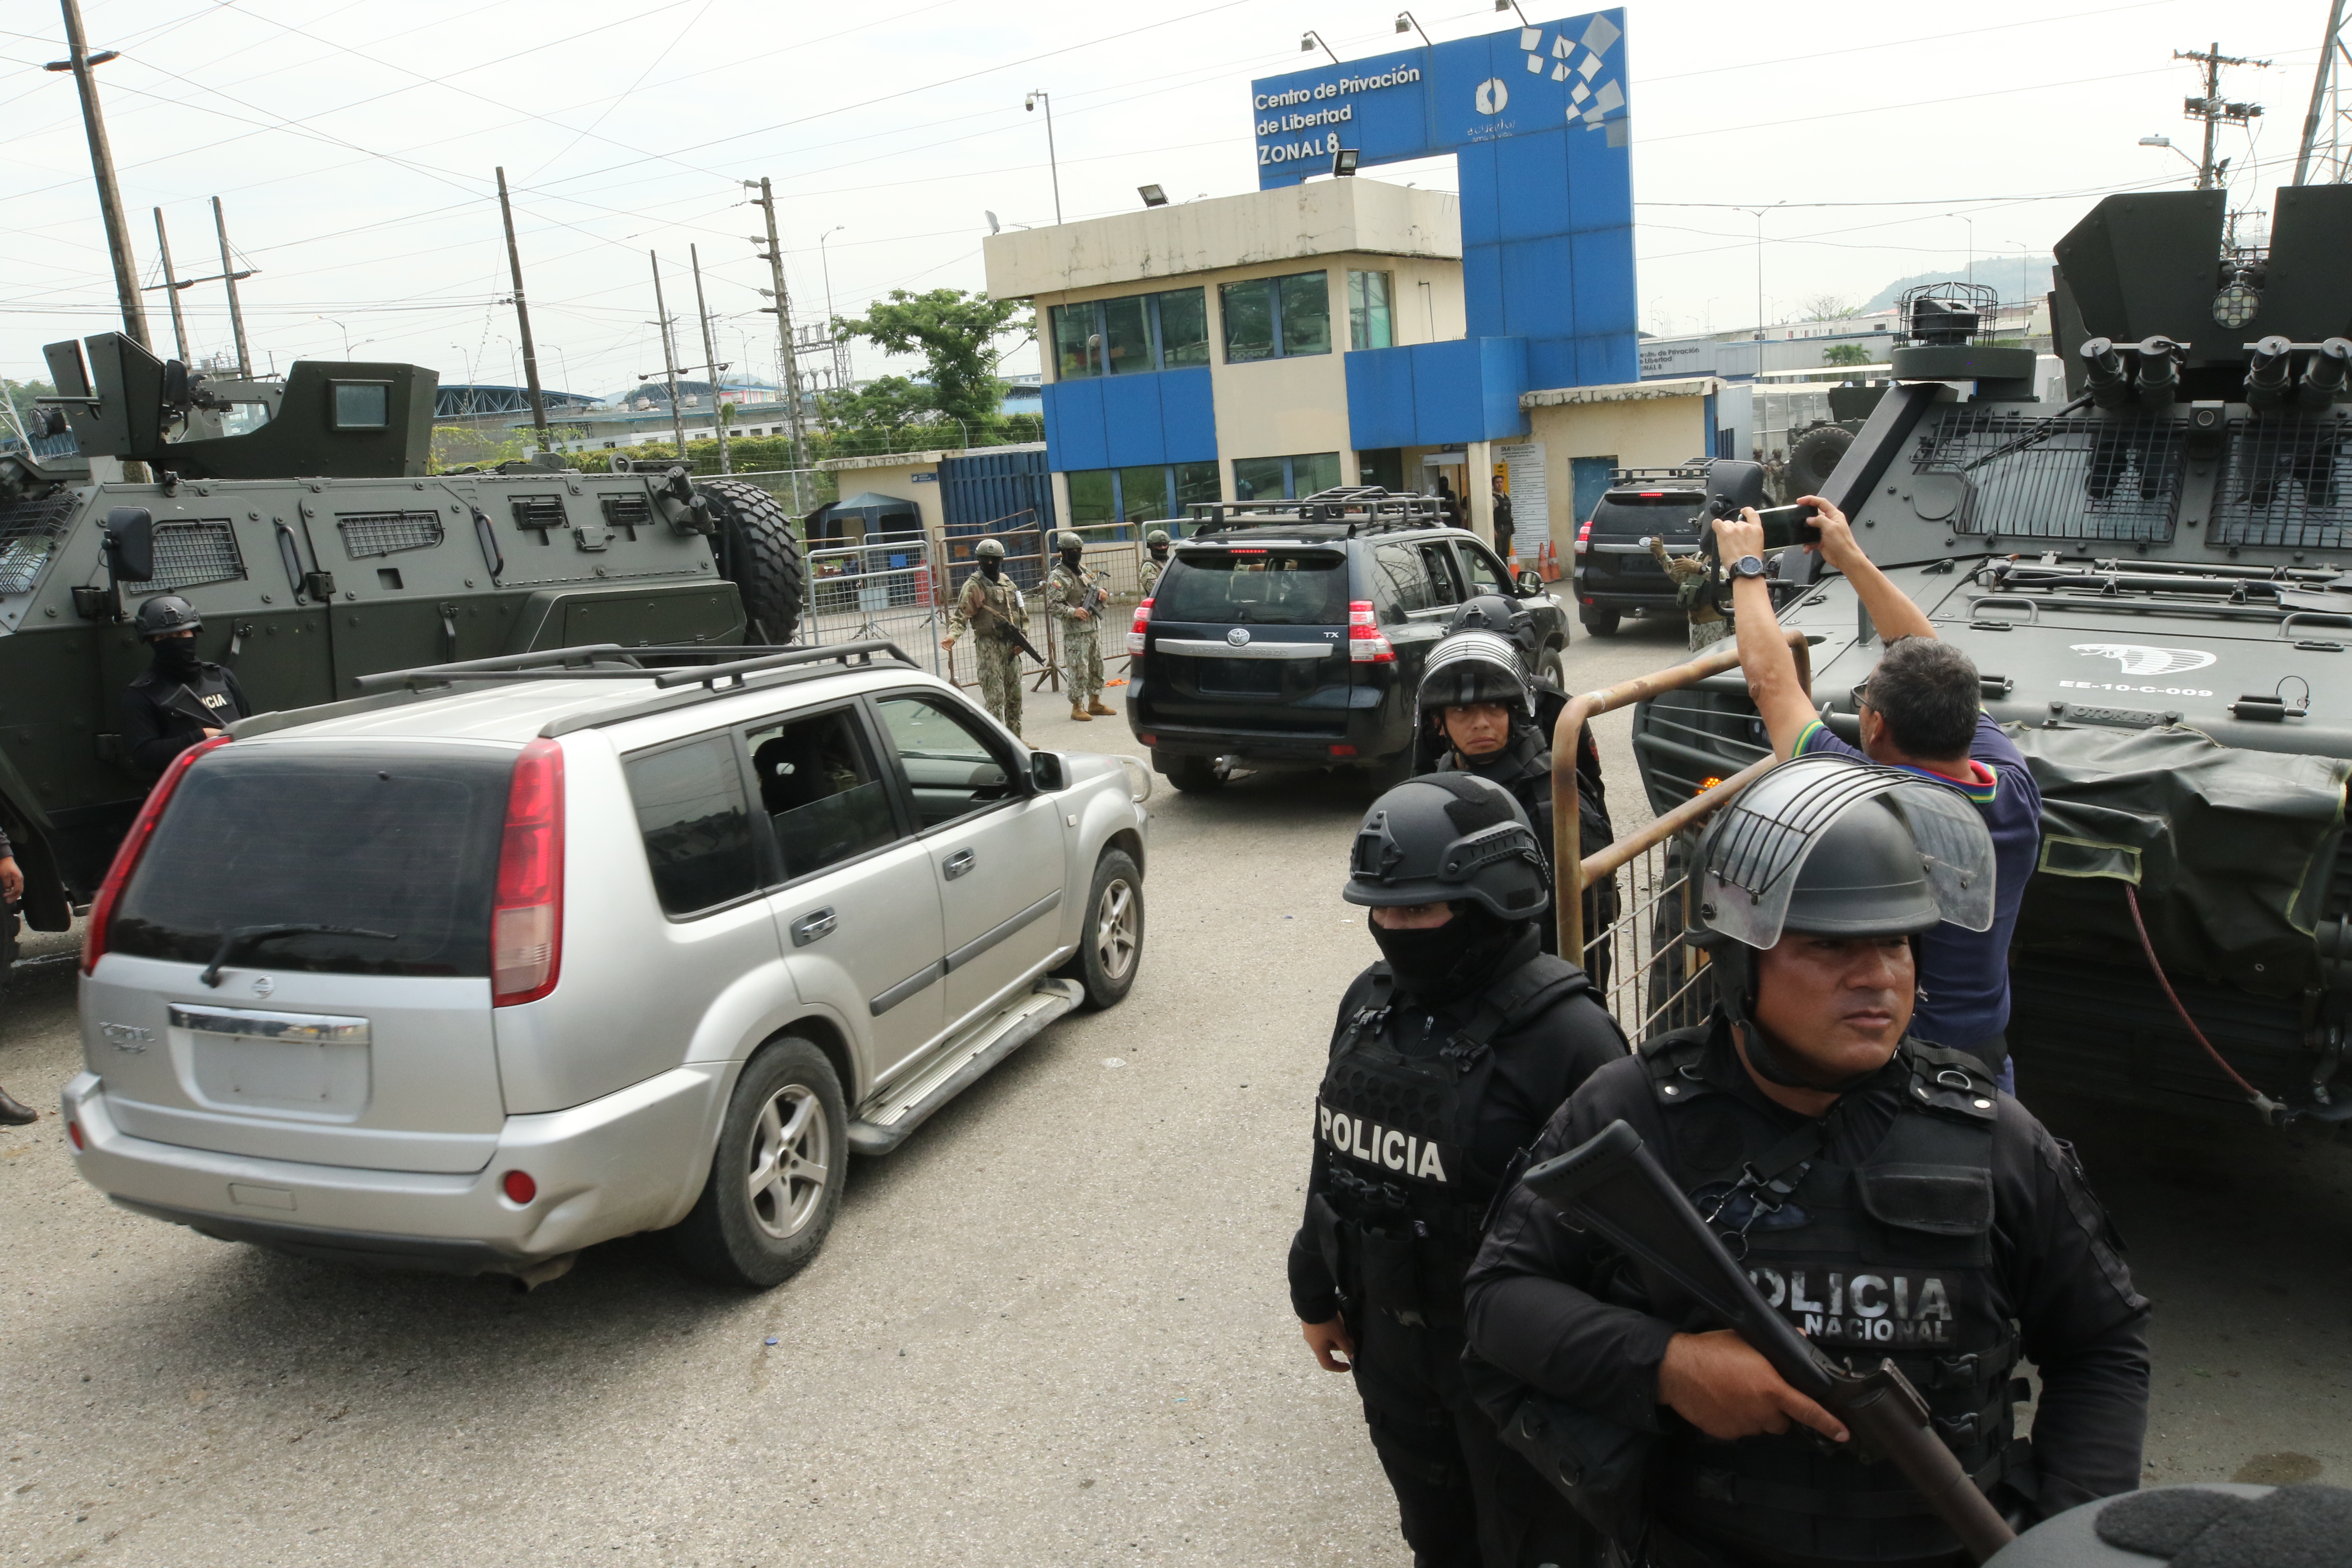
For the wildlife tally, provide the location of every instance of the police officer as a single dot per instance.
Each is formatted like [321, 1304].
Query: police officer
[1449, 1055]
[178, 699]
[1479, 711]
[1883, 1195]
[988, 606]
[1504, 527]
[1155, 549]
[12, 892]
[1074, 597]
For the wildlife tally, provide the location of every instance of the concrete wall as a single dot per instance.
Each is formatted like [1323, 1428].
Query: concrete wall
[1642, 425]
[1313, 220]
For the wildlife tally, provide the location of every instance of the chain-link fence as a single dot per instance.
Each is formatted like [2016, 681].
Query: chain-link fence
[1652, 979]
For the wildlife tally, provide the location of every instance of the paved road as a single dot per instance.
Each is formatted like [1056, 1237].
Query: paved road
[1052, 1330]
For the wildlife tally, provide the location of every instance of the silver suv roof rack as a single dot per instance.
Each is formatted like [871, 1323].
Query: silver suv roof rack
[1362, 509]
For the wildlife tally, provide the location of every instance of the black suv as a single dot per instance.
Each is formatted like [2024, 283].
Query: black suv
[1292, 632]
[1614, 569]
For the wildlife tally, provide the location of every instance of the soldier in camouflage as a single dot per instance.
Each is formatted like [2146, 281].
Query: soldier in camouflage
[1155, 545]
[1074, 597]
[991, 608]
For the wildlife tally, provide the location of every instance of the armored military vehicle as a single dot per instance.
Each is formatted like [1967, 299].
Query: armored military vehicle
[318, 548]
[2154, 577]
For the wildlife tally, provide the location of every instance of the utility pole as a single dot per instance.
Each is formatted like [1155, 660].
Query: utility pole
[669, 360]
[1052, 158]
[522, 320]
[782, 310]
[79, 61]
[172, 287]
[2322, 79]
[229, 275]
[718, 404]
[2212, 109]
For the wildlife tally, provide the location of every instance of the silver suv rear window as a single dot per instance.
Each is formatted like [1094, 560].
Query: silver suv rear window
[402, 838]
[1245, 585]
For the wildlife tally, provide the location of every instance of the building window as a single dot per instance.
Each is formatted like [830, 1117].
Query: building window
[1149, 493]
[1369, 318]
[1143, 332]
[1383, 467]
[1285, 479]
[1275, 318]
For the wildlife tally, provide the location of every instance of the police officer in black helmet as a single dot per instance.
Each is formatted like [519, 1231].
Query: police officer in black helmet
[1477, 710]
[1449, 1056]
[179, 700]
[1883, 1195]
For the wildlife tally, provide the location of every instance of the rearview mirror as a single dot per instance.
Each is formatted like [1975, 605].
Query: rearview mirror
[1046, 770]
[130, 543]
[1529, 584]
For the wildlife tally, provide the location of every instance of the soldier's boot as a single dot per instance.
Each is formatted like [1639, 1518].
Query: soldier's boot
[1080, 714]
[1096, 705]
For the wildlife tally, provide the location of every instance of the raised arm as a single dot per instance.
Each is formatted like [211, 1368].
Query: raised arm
[1891, 609]
[1764, 656]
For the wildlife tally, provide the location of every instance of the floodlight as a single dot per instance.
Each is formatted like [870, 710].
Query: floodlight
[1153, 196]
[1344, 161]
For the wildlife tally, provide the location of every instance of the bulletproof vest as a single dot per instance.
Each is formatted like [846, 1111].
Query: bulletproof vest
[1889, 1259]
[1399, 1216]
[207, 692]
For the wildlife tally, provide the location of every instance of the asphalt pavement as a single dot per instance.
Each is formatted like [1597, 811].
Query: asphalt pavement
[1052, 1329]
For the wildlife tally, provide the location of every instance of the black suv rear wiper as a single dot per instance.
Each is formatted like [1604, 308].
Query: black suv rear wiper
[237, 941]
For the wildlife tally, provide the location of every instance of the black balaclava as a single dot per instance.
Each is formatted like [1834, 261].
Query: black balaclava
[1070, 559]
[991, 567]
[1158, 551]
[176, 658]
[1435, 965]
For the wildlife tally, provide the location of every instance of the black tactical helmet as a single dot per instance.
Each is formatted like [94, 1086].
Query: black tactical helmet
[166, 613]
[990, 549]
[2221, 1526]
[1494, 613]
[1444, 836]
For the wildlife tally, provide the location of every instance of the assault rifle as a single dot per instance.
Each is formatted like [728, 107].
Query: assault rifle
[1019, 639]
[1612, 1186]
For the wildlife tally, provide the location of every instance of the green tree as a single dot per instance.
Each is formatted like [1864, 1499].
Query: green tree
[955, 333]
[1846, 353]
[885, 406]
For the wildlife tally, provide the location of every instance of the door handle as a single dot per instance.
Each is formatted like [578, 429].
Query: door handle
[815, 924]
[956, 864]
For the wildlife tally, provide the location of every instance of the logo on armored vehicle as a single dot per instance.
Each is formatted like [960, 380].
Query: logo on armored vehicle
[2139, 659]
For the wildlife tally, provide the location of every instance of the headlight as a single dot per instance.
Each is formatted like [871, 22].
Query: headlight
[1139, 779]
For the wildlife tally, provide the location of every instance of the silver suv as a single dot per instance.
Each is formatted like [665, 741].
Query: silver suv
[508, 961]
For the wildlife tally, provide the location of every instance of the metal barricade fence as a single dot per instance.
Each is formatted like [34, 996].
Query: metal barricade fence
[1652, 980]
[884, 590]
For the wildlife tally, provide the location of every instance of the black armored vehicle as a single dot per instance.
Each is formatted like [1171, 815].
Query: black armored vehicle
[2154, 578]
[317, 548]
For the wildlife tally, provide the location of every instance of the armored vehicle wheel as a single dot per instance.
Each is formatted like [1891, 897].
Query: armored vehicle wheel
[1193, 776]
[1600, 623]
[1815, 458]
[759, 554]
[776, 1175]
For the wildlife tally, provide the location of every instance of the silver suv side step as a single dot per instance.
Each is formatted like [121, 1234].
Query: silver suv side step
[961, 1066]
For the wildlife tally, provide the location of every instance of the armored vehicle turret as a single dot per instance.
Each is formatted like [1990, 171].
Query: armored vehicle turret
[317, 547]
[2152, 574]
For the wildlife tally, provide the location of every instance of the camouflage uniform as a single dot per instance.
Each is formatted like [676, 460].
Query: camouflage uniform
[1149, 578]
[1688, 574]
[985, 608]
[1066, 593]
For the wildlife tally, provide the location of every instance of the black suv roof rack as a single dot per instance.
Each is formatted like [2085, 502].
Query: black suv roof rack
[672, 666]
[1695, 471]
[1363, 508]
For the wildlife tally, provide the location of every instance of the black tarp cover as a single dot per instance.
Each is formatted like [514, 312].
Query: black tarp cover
[2231, 850]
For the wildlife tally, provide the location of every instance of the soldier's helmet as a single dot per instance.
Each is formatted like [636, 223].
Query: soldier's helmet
[1157, 536]
[990, 550]
[1066, 540]
[166, 613]
[1444, 836]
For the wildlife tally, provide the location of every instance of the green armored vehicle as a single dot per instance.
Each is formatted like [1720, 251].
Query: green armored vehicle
[2154, 578]
[317, 548]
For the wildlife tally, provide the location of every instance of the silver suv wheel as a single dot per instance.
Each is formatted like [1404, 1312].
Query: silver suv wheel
[1118, 928]
[791, 1161]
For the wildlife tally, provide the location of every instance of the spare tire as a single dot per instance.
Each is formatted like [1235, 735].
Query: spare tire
[1813, 458]
[759, 554]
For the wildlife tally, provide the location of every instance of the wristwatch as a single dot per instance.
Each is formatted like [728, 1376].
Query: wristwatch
[1748, 566]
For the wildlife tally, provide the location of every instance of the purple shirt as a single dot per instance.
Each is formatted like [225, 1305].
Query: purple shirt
[1964, 974]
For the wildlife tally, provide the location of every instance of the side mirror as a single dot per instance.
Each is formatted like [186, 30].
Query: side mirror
[1047, 772]
[130, 543]
[1529, 584]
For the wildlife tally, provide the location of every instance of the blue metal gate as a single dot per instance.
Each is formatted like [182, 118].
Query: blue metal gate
[995, 492]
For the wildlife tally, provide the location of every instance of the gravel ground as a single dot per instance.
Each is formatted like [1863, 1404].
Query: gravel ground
[1051, 1329]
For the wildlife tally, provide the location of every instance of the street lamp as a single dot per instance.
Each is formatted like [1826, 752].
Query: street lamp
[1053, 160]
[1972, 242]
[346, 330]
[469, 357]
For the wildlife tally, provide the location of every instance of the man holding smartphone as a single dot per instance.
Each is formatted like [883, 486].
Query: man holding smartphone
[1922, 708]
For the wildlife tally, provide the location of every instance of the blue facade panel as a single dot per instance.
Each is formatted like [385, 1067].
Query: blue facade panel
[1122, 421]
[1502, 378]
[1433, 395]
[1132, 432]
[1188, 415]
[1074, 425]
[1379, 399]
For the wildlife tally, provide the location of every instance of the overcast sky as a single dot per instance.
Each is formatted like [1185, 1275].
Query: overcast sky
[353, 142]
